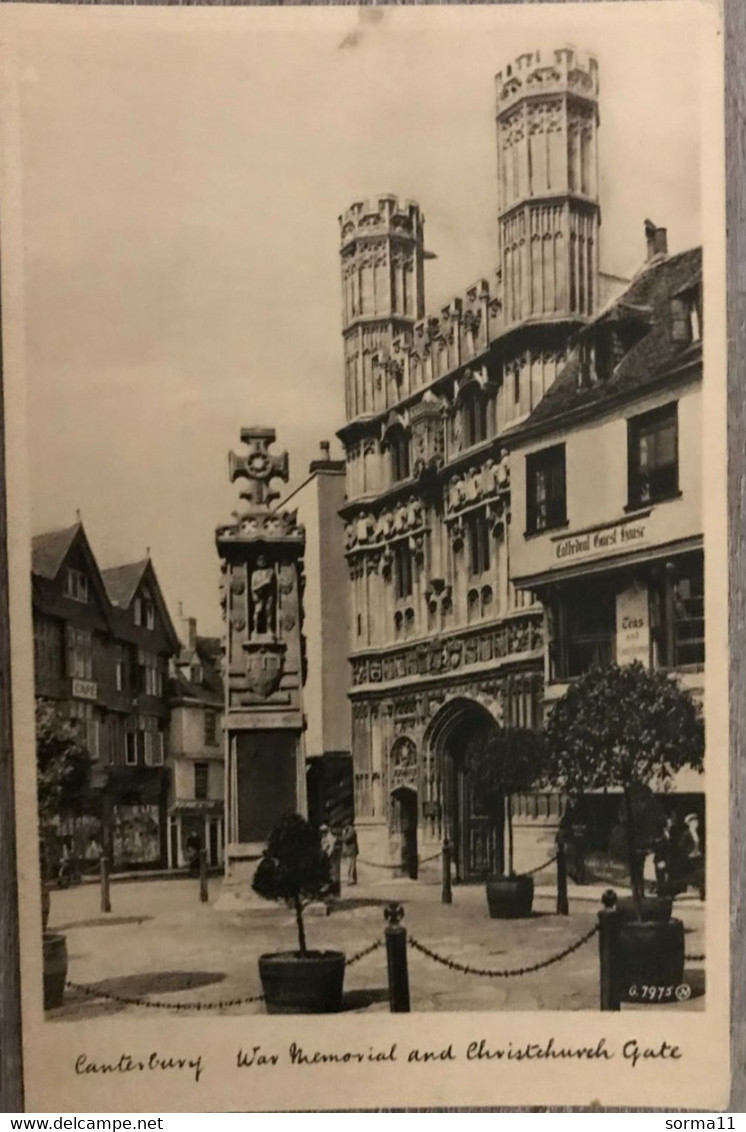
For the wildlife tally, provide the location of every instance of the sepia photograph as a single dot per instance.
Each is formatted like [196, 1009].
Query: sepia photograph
[373, 466]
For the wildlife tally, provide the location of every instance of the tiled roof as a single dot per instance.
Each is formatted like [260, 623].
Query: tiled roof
[122, 581]
[647, 301]
[207, 654]
[48, 551]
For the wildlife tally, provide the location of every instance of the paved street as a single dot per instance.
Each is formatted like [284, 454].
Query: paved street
[159, 943]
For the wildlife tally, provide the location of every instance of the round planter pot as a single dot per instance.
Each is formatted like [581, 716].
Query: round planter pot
[651, 954]
[309, 984]
[654, 908]
[55, 969]
[510, 898]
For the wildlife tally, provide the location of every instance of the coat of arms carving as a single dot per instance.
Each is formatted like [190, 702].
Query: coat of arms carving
[265, 663]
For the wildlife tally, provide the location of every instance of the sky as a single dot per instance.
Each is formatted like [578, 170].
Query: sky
[183, 171]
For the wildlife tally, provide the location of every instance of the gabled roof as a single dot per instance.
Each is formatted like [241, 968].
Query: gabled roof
[646, 302]
[122, 581]
[49, 550]
[122, 584]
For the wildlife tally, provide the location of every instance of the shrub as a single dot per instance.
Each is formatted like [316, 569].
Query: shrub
[294, 869]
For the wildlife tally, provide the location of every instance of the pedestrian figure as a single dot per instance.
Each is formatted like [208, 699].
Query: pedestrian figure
[193, 846]
[573, 828]
[329, 849]
[64, 868]
[692, 850]
[663, 859]
[336, 862]
[350, 851]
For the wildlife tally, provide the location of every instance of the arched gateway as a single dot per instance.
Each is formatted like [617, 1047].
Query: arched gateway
[476, 836]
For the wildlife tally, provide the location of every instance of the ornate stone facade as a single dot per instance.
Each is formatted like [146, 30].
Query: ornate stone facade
[442, 644]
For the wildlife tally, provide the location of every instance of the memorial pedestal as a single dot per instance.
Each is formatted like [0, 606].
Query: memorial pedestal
[261, 556]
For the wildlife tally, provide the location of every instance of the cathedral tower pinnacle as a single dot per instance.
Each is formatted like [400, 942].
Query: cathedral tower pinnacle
[383, 288]
[548, 211]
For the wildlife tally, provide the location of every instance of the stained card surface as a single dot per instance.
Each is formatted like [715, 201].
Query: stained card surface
[366, 467]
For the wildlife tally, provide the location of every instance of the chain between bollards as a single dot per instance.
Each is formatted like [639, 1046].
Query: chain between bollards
[105, 884]
[396, 957]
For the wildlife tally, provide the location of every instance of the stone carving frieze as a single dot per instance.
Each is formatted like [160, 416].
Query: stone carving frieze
[488, 482]
[370, 532]
[512, 639]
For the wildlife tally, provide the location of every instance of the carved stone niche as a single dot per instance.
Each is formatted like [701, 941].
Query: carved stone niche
[428, 441]
[403, 764]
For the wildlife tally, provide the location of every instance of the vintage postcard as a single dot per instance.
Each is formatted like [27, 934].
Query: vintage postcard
[366, 430]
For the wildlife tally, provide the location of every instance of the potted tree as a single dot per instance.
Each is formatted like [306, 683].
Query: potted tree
[626, 728]
[501, 763]
[294, 870]
[63, 772]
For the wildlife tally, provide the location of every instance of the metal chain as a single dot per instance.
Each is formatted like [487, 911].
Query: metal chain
[540, 867]
[694, 958]
[222, 1004]
[366, 951]
[379, 865]
[504, 974]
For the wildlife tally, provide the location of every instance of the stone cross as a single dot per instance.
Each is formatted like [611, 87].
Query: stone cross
[258, 466]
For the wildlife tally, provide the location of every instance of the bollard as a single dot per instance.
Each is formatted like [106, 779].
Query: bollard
[608, 951]
[446, 896]
[396, 957]
[203, 875]
[563, 907]
[105, 874]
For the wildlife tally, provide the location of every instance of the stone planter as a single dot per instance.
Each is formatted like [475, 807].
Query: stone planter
[55, 969]
[510, 898]
[302, 984]
[651, 954]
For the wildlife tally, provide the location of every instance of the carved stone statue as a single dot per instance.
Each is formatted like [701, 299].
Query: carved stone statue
[263, 598]
[503, 470]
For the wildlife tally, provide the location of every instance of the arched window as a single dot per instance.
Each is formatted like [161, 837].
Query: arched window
[403, 570]
[474, 413]
[398, 443]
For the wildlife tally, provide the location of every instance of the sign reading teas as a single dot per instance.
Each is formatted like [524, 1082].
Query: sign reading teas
[605, 540]
[633, 625]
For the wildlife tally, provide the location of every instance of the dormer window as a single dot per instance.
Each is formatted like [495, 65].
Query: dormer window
[686, 316]
[196, 674]
[603, 356]
[76, 585]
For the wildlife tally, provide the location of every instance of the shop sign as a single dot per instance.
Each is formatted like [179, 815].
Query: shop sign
[633, 625]
[604, 540]
[84, 689]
